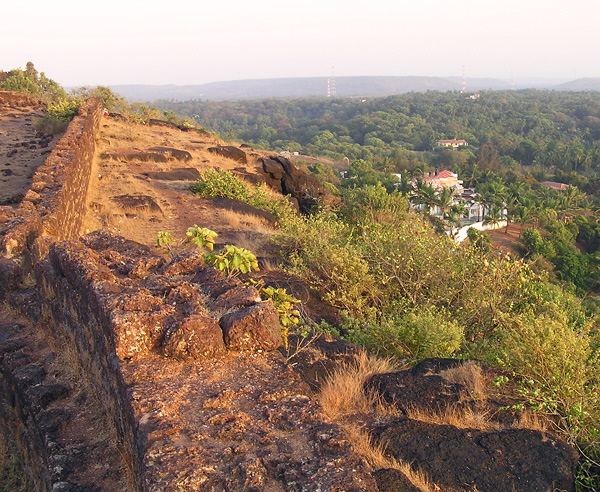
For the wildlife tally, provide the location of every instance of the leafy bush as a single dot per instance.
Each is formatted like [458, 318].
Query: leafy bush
[479, 239]
[165, 240]
[536, 245]
[424, 332]
[561, 363]
[318, 249]
[58, 116]
[219, 183]
[574, 267]
[232, 260]
[201, 237]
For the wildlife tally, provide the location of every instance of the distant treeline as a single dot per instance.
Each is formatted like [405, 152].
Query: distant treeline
[504, 129]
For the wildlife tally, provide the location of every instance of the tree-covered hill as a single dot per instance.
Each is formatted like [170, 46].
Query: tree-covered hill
[503, 128]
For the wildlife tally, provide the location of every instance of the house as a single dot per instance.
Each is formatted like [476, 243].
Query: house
[439, 181]
[455, 144]
[445, 179]
[554, 185]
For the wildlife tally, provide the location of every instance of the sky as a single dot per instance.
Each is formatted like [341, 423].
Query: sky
[188, 42]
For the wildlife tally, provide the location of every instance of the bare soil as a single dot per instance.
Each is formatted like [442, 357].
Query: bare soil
[22, 151]
[508, 240]
[160, 194]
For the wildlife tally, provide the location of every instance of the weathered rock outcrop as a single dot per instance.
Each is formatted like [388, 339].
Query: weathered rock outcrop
[153, 154]
[500, 458]
[286, 178]
[122, 288]
[230, 152]
[17, 100]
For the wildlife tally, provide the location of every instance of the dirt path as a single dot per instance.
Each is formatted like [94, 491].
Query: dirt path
[22, 151]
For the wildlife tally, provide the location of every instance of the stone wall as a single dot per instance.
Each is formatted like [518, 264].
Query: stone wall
[54, 207]
[105, 300]
[110, 300]
[60, 303]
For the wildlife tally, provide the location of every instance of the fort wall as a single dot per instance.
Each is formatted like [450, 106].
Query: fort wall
[103, 300]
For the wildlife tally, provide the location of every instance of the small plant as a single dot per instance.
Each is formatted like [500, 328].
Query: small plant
[499, 381]
[284, 303]
[232, 260]
[198, 236]
[201, 237]
[164, 240]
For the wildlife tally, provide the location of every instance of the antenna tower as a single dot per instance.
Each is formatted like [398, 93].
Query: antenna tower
[331, 85]
[464, 82]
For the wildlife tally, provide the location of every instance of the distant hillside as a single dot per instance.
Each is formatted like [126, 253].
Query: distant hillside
[345, 87]
[289, 87]
[481, 83]
[580, 85]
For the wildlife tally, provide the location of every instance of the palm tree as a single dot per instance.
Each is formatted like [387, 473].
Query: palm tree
[425, 194]
[444, 200]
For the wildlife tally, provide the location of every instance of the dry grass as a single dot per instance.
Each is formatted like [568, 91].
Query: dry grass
[459, 417]
[343, 392]
[255, 223]
[469, 375]
[532, 421]
[343, 395]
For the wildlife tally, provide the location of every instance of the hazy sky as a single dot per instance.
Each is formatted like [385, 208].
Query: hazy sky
[109, 42]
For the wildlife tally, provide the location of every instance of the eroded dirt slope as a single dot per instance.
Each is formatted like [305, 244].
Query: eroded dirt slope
[137, 192]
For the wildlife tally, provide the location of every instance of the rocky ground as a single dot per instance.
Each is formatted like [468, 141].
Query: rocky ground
[253, 421]
[22, 150]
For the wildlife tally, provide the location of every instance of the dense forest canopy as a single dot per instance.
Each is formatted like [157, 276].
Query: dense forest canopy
[553, 130]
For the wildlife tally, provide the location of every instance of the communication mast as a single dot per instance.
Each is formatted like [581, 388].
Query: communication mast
[331, 85]
[464, 82]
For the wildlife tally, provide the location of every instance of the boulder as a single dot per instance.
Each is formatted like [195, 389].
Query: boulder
[283, 176]
[392, 480]
[510, 460]
[154, 154]
[197, 337]
[236, 298]
[176, 174]
[253, 328]
[230, 152]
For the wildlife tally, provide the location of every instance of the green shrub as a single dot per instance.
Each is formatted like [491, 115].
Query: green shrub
[561, 365]
[536, 245]
[424, 332]
[58, 116]
[165, 240]
[219, 183]
[479, 239]
[318, 249]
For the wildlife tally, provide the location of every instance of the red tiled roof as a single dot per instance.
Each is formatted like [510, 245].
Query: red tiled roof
[444, 174]
[554, 185]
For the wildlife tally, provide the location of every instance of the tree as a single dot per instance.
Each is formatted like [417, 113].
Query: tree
[444, 199]
[29, 81]
[425, 194]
